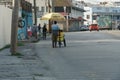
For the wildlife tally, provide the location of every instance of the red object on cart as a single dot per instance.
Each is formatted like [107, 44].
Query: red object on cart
[94, 27]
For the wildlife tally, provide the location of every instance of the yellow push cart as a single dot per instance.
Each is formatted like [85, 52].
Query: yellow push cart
[61, 38]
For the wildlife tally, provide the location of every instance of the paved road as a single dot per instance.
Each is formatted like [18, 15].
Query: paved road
[88, 56]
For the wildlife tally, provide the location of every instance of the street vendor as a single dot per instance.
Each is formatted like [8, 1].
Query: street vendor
[55, 31]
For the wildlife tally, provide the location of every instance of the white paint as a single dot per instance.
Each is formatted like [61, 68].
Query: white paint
[5, 25]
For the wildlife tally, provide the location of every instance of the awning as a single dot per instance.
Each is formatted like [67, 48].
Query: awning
[61, 3]
[79, 18]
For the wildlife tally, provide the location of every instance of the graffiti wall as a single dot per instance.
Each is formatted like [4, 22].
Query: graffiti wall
[104, 21]
[25, 19]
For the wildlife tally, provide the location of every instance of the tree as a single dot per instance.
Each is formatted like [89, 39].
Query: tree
[35, 12]
[14, 27]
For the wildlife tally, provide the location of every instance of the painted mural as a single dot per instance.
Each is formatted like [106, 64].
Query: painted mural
[104, 21]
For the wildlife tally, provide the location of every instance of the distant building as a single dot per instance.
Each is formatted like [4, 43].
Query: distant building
[88, 15]
[65, 7]
[116, 3]
[105, 16]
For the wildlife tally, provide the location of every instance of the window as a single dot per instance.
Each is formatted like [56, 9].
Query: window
[88, 16]
[42, 9]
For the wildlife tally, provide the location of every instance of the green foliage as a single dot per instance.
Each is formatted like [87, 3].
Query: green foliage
[35, 41]
[17, 54]
[20, 44]
[7, 46]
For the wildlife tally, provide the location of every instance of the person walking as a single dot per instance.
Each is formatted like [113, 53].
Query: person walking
[44, 31]
[55, 32]
[34, 31]
[29, 32]
[39, 29]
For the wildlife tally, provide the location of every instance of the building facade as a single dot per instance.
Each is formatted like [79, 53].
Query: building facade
[65, 7]
[104, 16]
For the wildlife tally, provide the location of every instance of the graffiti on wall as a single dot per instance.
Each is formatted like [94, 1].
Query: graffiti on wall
[104, 21]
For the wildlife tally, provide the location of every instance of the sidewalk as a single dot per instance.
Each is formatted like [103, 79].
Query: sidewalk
[114, 32]
[26, 67]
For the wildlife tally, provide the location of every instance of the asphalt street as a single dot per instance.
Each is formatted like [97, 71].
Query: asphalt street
[88, 56]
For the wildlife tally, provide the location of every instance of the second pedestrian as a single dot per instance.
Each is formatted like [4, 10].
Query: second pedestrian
[44, 30]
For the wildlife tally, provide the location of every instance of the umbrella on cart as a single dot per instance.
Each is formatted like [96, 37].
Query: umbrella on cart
[53, 16]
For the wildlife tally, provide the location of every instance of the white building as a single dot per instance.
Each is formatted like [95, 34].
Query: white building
[88, 15]
[43, 7]
[77, 12]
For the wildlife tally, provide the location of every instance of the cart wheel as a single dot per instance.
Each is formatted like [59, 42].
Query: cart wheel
[60, 43]
[64, 41]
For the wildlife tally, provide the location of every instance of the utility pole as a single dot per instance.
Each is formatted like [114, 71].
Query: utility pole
[14, 27]
[53, 7]
[49, 21]
[67, 20]
[49, 6]
[35, 13]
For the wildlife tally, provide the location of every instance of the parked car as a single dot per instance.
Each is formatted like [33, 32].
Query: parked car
[94, 27]
[84, 28]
